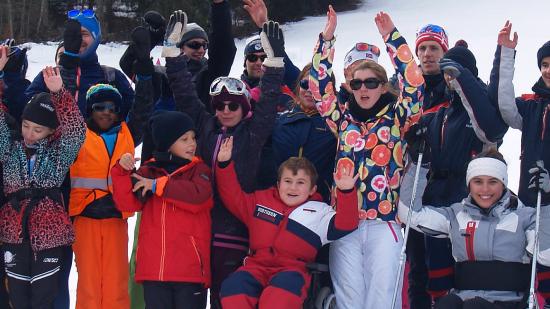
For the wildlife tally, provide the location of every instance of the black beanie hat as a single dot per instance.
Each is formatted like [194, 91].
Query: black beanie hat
[167, 127]
[543, 52]
[464, 57]
[40, 110]
[192, 31]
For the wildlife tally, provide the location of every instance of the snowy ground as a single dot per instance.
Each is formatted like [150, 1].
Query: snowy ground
[478, 22]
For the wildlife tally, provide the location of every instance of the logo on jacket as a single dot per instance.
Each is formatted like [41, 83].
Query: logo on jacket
[9, 258]
[267, 214]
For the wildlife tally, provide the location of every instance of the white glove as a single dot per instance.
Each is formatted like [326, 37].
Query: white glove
[174, 33]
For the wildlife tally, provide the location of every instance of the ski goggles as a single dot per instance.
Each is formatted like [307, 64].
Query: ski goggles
[254, 57]
[87, 13]
[304, 84]
[430, 28]
[370, 83]
[197, 45]
[232, 86]
[104, 106]
[220, 106]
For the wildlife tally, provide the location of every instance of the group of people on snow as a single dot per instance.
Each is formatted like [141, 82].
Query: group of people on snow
[243, 182]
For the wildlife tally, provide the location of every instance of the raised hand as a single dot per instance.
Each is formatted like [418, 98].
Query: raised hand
[384, 23]
[143, 184]
[52, 79]
[540, 179]
[273, 44]
[174, 32]
[72, 38]
[127, 161]
[3, 56]
[257, 11]
[330, 27]
[156, 25]
[504, 36]
[141, 43]
[450, 67]
[346, 180]
[226, 150]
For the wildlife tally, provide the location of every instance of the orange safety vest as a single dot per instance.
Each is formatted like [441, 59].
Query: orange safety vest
[91, 172]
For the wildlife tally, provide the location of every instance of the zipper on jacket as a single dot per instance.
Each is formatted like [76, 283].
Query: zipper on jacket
[443, 125]
[197, 252]
[163, 240]
[469, 238]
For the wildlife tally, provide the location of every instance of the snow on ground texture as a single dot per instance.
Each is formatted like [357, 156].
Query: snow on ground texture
[477, 22]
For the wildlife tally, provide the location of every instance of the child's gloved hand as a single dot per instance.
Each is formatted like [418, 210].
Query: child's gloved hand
[127, 161]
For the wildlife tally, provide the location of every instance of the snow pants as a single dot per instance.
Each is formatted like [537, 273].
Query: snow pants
[418, 273]
[101, 253]
[32, 276]
[440, 262]
[452, 301]
[175, 295]
[364, 265]
[258, 285]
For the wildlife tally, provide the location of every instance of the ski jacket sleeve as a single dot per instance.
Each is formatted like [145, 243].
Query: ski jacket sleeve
[5, 136]
[320, 84]
[190, 193]
[346, 218]
[141, 109]
[239, 203]
[184, 91]
[432, 221]
[14, 93]
[409, 75]
[291, 72]
[123, 86]
[544, 237]
[501, 87]
[71, 132]
[265, 113]
[124, 198]
[487, 123]
[222, 45]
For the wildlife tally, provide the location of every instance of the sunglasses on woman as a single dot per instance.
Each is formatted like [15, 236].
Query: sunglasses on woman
[370, 83]
[254, 57]
[220, 106]
[197, 45]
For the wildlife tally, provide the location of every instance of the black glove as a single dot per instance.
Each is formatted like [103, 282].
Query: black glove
[540, 179]
[72, 39]
[140, 44]
[416, 143]
[16, 60]
[156, 25]
[276, 39]
[451, 67]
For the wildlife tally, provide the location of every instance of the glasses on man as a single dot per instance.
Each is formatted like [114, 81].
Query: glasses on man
[254, 57]
[197, 45]
[370, 83]
[87, 13]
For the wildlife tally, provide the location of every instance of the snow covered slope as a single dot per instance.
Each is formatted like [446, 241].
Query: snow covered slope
[478, 22]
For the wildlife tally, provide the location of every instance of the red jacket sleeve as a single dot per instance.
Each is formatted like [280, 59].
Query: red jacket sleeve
[193, 194]
[124, 198]
[347, 212]
[239, 203]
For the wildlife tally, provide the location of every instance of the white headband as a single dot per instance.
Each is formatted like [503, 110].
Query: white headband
[487, 167]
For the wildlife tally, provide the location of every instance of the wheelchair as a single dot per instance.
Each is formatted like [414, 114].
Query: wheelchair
[320, 294]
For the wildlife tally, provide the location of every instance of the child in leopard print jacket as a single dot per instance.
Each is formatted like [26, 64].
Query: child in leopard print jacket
[34, 223]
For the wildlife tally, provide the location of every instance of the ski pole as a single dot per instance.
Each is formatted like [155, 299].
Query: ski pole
[403, 255]
[532, 296]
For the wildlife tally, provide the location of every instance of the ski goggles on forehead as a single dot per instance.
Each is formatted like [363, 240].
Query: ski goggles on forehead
[231, 85]
[104, 106]
[370, 83]
[87, 13]
[366, 47]
[432, 29]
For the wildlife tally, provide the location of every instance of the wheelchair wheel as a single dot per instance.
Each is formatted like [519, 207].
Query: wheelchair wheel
[325, 299]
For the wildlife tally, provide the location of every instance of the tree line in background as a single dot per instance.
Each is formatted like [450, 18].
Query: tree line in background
[43, 20]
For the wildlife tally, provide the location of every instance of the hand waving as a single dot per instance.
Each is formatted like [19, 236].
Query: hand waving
[174, 33]
[504, 36]
[384, 23]
[226, 150]
[127, 161]
[257, 11]
[330, 27]
[52, 79]
[346, 181]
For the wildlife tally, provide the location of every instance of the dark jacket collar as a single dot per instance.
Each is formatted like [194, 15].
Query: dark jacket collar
[364, 115]
[540, 89]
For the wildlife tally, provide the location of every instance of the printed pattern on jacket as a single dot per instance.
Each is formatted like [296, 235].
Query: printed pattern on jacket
[49, 224]
[374, 148]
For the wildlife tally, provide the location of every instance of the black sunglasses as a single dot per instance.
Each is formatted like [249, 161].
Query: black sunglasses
[254, 57]
[100, 107]
[370, 83]
[197, 45]
[304, 84]
[220, 106]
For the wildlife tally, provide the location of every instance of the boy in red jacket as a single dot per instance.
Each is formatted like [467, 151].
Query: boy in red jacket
[174, 194]
[287, 225]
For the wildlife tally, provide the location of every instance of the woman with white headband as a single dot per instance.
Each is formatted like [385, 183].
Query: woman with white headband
[492, 235]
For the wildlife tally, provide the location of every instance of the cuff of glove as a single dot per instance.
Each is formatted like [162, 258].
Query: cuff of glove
[275, 62]
[68, 61]
[170, 52]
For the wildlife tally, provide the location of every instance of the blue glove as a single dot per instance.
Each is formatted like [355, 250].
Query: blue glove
[451, 67]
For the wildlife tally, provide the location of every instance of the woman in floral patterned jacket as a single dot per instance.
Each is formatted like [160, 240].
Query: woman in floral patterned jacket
[370, 129]
[34, 223]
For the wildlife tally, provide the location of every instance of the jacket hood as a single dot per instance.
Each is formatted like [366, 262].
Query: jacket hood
[507, 202]
[540, 89]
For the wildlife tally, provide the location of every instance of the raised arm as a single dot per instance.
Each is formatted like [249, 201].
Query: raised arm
[222, 50]
[501, 86]
[410, 77]
[5, 137]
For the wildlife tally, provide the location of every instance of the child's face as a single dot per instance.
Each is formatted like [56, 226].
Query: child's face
[185, 146]
[545, 70]
[33, 132]
[294, 190]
